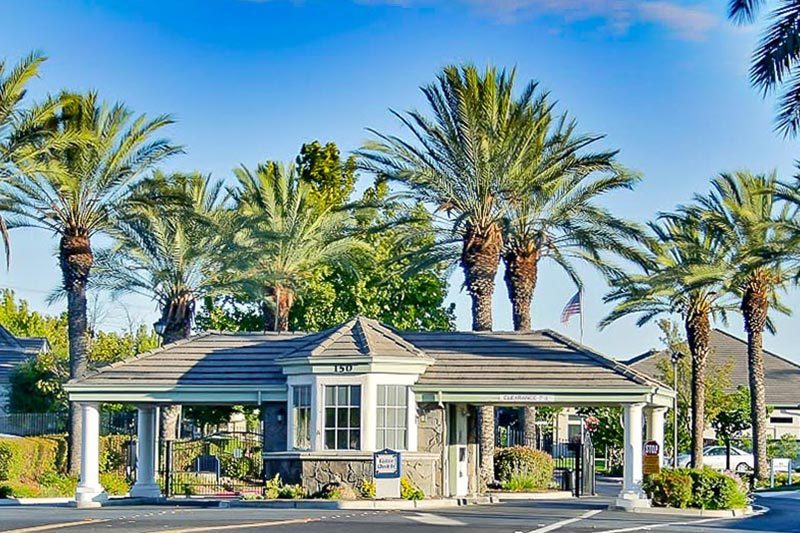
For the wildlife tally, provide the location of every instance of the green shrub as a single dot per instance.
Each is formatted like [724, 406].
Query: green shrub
[409, 491]
[366, 488]
[521, 482]
[669, 488]
[16, 489]
[535, 467]
[291, 492]
[273, 487]
[114, 453]
[55, 485]
[698, 488]
[115, 483]
[5, 492]
[27, 459]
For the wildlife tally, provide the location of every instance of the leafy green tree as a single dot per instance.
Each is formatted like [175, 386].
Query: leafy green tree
[732, 419]
[670, 282]
[331, 179]
[775, 60]
[746, 212]
[83, 199]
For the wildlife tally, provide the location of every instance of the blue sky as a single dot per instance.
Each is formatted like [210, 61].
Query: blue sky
[666, 80]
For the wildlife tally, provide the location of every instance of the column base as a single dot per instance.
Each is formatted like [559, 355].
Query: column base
[630, 501]
[145, 490]
[86, 497]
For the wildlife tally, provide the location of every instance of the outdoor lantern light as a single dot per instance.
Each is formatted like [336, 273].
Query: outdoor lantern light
[160, 326]
[676, 356]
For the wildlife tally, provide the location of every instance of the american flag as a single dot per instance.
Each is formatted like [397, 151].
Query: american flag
[573, 307]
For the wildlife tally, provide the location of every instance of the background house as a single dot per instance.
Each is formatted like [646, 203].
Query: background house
[13, 351]
[782, 379]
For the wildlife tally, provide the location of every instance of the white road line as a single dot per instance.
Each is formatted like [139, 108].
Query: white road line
[60, 525]
[434, 520]
[559, 525]
[239, 526]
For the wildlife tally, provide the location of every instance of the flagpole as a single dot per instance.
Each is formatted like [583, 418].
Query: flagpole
[580, 298]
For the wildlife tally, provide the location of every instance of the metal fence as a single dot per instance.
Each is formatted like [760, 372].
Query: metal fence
[34, 424]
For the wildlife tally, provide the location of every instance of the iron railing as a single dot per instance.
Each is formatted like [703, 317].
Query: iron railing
[34, 424]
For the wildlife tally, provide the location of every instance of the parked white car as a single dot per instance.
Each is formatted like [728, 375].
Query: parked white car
[714, 457]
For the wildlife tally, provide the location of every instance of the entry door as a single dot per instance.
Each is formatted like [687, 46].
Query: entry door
[459, 465]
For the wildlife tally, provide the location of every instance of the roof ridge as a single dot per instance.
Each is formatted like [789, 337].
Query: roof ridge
[635, 375]
[360, 329]
[763, 350]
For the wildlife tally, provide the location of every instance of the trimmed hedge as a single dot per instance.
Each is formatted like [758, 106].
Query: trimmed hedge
[521, 468]
[29, 458]
[697, 488]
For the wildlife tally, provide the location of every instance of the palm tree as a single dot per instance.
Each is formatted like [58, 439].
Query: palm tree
[168, 248]
[746, 212]
[675, 279]
[83, 198]
[465, 160]
[281, 236]
[555, 215]
[775, 61]
[25, 136]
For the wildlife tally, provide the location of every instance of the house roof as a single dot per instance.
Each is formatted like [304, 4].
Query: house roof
[14, 350]
[359, 336]
[540, 358]
[782, 376]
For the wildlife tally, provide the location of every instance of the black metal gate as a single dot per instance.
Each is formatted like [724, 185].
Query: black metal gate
[219, 465]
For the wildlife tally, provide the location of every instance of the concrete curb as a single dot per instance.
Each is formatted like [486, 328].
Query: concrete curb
[384, 505]
[531, 496]
[16, 502]
[695, 513]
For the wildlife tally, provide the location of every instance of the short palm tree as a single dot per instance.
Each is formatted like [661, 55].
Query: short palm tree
[281, 236]
[167, 247]
[25, 135]
[748, 214]
[775, 61]
[464, 160]
[555, 215]
[675, 280]
[83, 198]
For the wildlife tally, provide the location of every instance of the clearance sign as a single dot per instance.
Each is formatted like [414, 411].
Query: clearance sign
[652, 462]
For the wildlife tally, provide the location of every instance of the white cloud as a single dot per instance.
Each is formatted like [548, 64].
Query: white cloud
[684, 20]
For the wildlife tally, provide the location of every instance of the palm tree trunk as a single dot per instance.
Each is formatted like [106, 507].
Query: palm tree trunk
[529, 417]
[178, 319]
[480, 259]
[277, 318]
[486, 440]
[521, 274]
[76, 259]
[698, 335]
[755, 307]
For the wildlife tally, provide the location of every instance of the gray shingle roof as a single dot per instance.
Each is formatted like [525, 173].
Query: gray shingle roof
[782, 376]
[15, 350]
[541, 358]
[359, 336]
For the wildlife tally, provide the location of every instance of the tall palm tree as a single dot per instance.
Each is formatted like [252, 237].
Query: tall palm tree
[281, 236]
[675, 279]
[775, 61]
[83, 198]
[25, 135]
[555, 215]
[464, 160]
[746, 211]
[168, 248]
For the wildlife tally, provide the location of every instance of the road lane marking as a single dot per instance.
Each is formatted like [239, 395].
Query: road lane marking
[248, 525]
[60, 525]
[434, 520]
[559, 525]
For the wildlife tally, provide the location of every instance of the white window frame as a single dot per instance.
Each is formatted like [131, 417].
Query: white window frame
[397, 408]
[293, 429]
[336, 406]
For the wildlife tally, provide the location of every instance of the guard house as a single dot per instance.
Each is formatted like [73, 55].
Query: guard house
[329, 400]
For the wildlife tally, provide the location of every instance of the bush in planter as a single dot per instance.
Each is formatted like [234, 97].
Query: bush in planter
[698, 488]
[409, 491]
[523, 468]
[367, 488]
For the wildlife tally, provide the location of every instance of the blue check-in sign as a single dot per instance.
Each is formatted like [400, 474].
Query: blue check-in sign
[386, 464]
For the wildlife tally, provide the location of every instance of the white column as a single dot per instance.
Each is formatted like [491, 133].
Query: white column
[89, 492]
[147, 435]
[632, 495]
[654, 424]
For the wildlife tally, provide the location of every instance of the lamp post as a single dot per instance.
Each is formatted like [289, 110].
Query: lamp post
[676, 356]
[160, 326]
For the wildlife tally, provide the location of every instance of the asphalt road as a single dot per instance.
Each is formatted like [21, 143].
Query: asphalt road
[588, 515]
